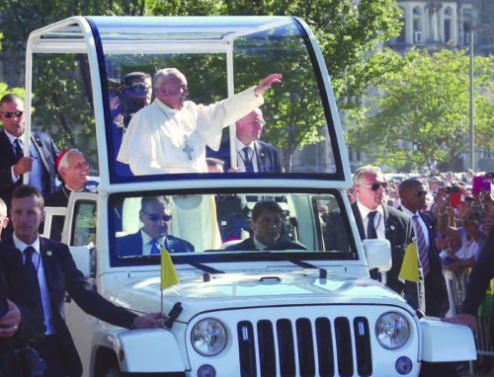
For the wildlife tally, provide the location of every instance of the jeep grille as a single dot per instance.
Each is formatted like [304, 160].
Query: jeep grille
[305, 347]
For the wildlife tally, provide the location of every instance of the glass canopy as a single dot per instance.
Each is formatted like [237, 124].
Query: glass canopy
[220, 127]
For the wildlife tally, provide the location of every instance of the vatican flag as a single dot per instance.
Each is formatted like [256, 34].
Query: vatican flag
[410, 267]
[169, 276]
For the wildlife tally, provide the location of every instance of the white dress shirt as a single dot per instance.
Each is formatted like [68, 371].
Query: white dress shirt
[241, 155]
[259, 245]
[378, 219]
[43, 286]
[147, 245]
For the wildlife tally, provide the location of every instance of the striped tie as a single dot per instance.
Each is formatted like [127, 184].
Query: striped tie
[422, 246]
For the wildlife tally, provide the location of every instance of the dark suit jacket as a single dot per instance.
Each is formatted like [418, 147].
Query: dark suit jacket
[268, 157]
[48, 153]
[435, 284]
[399, 232]
[62, 276]
[480, 277]
[13, 287]
[132, 245]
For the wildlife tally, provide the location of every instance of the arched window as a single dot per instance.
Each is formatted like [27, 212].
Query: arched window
[448, 24]
[417, 25]
[402, 37]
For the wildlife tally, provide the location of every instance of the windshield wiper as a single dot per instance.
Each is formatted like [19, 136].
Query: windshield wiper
[199, 266]
[323, 273]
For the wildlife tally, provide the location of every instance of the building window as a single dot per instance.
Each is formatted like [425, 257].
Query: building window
[417, 25]
[467, 15]
[402, 37]
[448, 24]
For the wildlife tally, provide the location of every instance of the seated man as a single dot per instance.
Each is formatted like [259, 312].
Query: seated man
[266, 225]
[74, 171]
[156, 216]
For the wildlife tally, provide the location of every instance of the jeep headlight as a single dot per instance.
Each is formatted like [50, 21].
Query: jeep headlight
[392, 330]
[209, 337]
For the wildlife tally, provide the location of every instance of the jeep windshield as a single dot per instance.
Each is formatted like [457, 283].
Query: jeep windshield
[240, 226]
[294, 128]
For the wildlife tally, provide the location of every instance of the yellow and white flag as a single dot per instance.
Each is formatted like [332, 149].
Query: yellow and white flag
[169, 276]
[410, 267]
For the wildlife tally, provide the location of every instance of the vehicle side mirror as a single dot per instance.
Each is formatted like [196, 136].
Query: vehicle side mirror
[81, 257]
[378, 254]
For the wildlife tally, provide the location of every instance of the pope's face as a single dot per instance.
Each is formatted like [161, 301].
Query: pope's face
[174, 91]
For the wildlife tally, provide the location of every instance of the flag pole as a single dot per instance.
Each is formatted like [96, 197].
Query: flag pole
[161, 303]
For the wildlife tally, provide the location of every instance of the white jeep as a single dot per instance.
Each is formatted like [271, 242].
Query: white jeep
[299, 308]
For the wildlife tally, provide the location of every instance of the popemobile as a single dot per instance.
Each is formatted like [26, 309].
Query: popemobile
[260, 290]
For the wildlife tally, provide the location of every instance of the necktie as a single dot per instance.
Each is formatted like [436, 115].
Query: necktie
[155, 247]
[18, 150]
[249, 167]
[371, 229]
[422, 246]
[32, 273]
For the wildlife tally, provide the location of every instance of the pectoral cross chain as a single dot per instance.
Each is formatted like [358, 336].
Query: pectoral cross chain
[188, 150]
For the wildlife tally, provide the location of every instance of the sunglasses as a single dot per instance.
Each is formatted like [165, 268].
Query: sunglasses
[153, 217]
[375, 186]
[140, 86]
[418, 194]
[8, 114]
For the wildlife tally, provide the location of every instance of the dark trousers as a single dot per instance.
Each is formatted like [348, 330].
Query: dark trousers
[50, 351]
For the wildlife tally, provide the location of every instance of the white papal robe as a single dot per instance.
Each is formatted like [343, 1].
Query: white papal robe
[162, 140]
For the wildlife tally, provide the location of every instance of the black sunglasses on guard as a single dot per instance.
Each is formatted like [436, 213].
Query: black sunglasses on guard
[375, 186]
[418, 194]
[8, 114]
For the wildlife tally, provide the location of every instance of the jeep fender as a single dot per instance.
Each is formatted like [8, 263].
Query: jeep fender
[446, 342]
[140, 351]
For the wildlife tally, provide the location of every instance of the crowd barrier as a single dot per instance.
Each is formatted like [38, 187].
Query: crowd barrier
[456, 284]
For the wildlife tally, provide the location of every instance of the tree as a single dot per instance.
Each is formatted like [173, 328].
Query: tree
[424, 112]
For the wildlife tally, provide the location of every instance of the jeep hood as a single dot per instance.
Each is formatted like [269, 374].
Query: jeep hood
[234, 290]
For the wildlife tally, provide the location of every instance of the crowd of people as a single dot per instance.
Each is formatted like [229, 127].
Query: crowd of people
[448, 216]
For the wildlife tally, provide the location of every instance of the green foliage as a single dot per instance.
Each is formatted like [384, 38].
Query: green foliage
[424, 112]
[4, 89]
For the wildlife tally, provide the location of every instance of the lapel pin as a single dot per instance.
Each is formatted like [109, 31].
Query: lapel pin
[49, 253]
[262, 154]
[392, 227]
